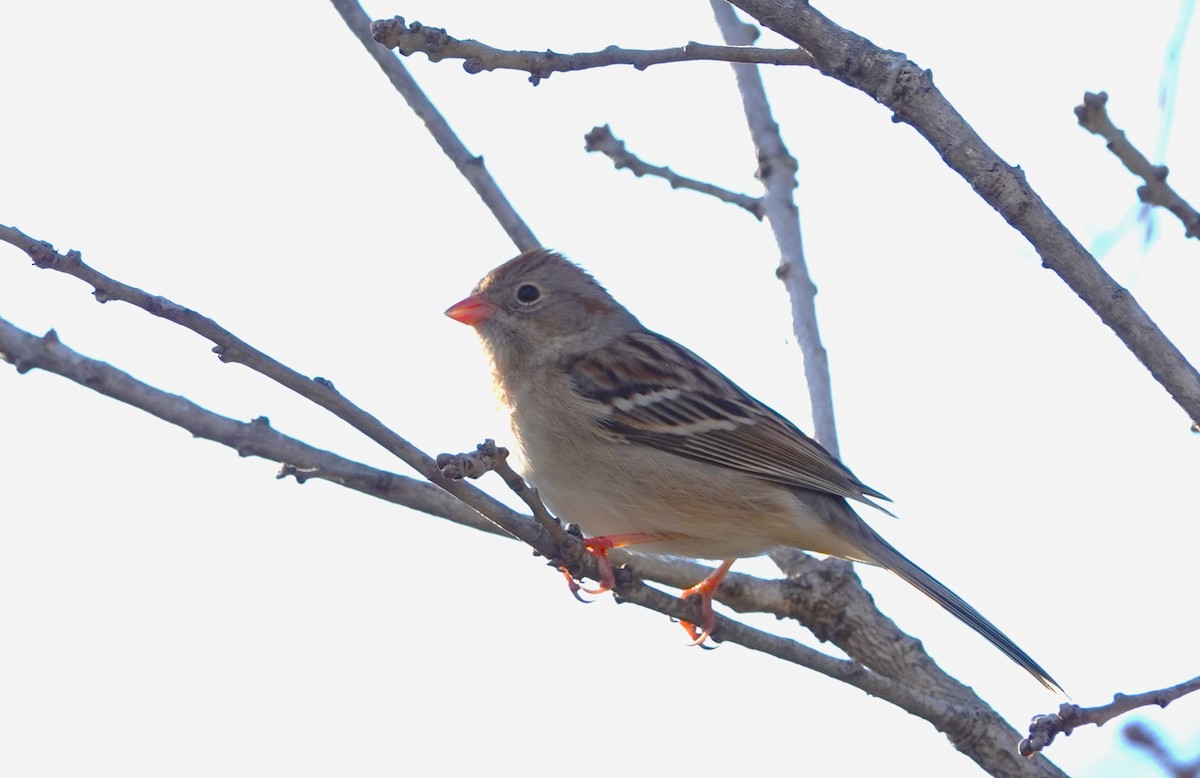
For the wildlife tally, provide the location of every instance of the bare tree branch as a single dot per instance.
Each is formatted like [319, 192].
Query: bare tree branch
[908, 90]
[477, 57]
[602, 140]
[777, 171]
[1093, 117]
[256, 438]
[1043, 729]
[470, 166]
[230, 348]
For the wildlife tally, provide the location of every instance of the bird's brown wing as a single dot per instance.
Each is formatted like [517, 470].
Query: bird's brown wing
[654, 392]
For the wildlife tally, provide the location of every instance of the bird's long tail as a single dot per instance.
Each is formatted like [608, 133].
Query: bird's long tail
[884, 555]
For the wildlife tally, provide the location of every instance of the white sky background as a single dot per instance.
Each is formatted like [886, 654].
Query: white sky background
[170, 609]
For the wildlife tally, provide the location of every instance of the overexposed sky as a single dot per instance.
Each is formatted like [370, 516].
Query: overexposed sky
[171, 609]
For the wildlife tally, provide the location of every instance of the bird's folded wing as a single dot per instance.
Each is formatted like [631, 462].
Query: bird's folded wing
[654, 392]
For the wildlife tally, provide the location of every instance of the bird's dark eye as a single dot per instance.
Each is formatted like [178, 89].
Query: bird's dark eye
[528, 293]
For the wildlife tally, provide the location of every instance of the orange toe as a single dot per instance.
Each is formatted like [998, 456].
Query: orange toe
[599, 547]
[704, 591]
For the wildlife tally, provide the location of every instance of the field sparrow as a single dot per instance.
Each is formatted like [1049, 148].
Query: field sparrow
[642, 443]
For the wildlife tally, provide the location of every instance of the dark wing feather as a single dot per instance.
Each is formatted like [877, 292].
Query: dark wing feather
[657, 393]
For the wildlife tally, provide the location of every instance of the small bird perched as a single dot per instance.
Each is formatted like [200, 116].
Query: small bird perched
[642, 443]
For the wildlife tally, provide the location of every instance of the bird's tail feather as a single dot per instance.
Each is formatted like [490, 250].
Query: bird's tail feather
[884, 555]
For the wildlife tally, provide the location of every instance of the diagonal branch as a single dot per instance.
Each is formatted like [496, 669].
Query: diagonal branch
[1093, 117]
[477, 57]
[470, 166]
[908, 90]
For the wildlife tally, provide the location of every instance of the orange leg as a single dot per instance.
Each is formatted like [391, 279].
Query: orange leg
[704, 590]
[599, 548]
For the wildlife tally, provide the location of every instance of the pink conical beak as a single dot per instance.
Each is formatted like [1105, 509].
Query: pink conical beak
[471, 311]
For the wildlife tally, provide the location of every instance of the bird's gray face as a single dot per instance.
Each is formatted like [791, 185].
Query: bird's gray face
[540, 308]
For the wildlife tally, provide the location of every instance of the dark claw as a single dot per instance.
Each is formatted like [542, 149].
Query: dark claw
[574, 586]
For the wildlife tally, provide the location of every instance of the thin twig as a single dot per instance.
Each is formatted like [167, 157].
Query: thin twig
[602, 140]
[488, 457]
[477, 57]
[1093, 117]
[1043, 729]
